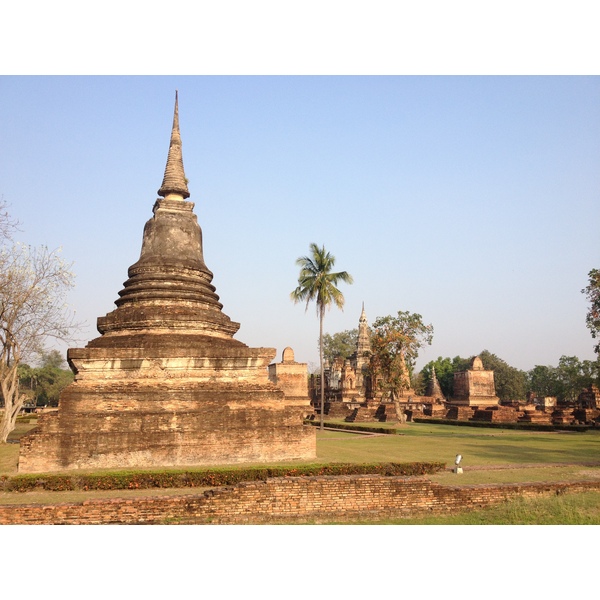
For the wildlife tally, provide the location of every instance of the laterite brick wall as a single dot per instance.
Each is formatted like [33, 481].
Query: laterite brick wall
[289, 500]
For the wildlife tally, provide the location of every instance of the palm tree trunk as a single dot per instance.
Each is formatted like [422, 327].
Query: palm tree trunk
[321, 315]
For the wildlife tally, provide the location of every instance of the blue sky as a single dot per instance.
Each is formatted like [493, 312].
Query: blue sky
[474, 201]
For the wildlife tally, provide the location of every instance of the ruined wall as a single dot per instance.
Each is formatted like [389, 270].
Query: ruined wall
[290, 376]
[291, 500]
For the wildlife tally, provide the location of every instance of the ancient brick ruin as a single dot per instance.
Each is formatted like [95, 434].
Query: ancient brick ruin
[475, 386]
[291, 378]
[351, 395]
[166, 384]
[323, 499]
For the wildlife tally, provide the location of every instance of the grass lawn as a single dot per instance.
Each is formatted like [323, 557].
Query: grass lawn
[478, 446]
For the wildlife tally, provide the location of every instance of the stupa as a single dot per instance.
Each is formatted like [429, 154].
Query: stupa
[475, 386]
[166, 384]
[434, 390]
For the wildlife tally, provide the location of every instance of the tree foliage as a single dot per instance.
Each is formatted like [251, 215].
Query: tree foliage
[510, 382]
[33, 286]
[41, 386]
[318, 283]
[53, 359]
[592, 293]
[444, 371]
[565, 381]
[395, 344]
[543, 381]
[342, 344]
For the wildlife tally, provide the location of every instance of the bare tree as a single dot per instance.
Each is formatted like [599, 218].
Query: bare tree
[33, 286]
[7, 224]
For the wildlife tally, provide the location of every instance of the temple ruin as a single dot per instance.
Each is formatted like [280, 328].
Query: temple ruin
[352, 394]
[166, 384]
[475, 386]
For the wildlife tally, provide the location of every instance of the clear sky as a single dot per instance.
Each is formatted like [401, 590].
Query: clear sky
[473, 201]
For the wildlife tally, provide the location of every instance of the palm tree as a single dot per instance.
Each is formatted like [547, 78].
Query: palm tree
[317, 282]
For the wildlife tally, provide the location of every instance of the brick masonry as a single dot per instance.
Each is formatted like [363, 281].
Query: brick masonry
[290, 500]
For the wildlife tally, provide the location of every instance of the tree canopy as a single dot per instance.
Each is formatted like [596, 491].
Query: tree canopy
[444, 371]
[42, 385]
[395, 344]
[510, 382]
[592, 293]
[565, 381]
[342, 344]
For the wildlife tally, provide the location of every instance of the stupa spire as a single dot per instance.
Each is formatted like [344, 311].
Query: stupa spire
[363, 314]
[174, 181]
[363, 344]
[434, 389]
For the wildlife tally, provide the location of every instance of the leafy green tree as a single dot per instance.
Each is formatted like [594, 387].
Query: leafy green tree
[569, 375]
[418, 383]
[50, 383]
[42, 385]
[444, 371]
[342, 344]
[544, 381]
[510, 383]
[592, 292]
[574, 376]
[590, 370]
[317, 282]
[52, 358]
[27, 383]
[565, 381]
[395, 345]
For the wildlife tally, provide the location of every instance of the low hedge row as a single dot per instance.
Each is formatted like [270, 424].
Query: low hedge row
[498, 425]
[127, 480]
[429, 420]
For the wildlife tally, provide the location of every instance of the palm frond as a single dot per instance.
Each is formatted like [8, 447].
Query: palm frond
[317, 283]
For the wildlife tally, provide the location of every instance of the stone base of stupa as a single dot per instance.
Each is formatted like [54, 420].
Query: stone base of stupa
[475, 401]
[204, 404]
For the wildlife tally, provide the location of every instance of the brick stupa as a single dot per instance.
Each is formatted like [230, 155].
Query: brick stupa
[166, 384]
[475, 386]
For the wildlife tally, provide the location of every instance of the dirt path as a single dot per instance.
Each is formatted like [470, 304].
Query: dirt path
[527, 466]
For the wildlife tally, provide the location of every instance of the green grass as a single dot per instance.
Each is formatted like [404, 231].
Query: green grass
[569, 509]
[479, 446]
[9, 453]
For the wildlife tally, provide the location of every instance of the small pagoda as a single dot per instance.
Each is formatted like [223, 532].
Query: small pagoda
[166, 384]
